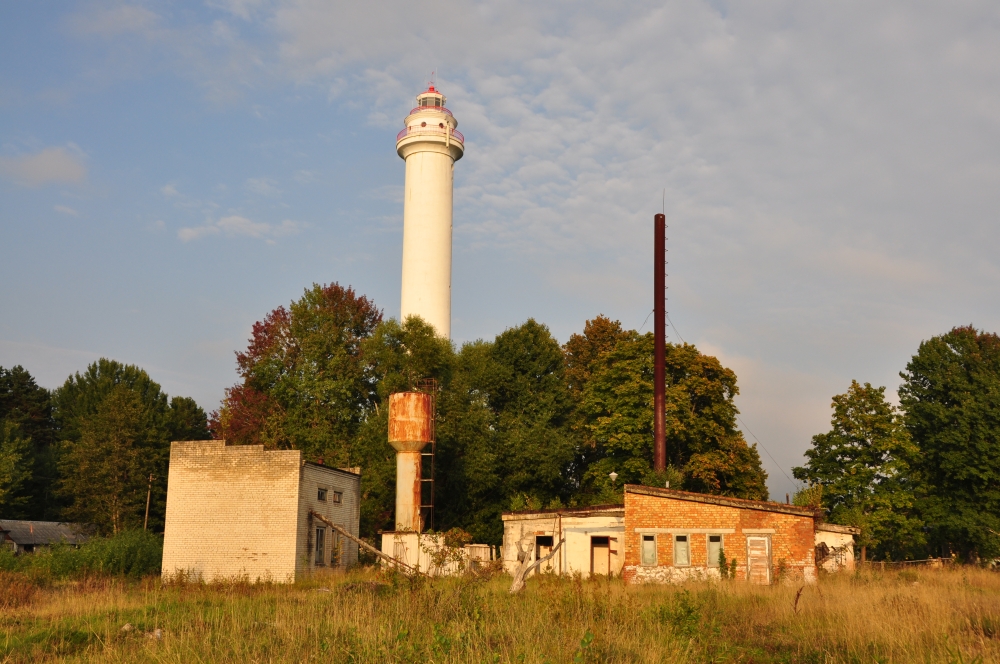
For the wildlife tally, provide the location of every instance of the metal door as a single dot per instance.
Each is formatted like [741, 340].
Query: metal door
[759, 559]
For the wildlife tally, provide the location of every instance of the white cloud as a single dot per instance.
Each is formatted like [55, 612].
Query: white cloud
[66, 210]
[170, 191]
[238, 226]
[262, 186]
[56, 164]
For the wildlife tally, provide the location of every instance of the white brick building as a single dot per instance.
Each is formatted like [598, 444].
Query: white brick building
[239, 511]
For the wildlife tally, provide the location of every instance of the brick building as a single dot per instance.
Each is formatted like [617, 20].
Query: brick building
[675, 535]
[240, 511]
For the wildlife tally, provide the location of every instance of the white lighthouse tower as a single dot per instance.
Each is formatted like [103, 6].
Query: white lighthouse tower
[430, 144]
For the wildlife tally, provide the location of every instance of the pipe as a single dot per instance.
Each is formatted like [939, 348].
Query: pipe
[659, 342]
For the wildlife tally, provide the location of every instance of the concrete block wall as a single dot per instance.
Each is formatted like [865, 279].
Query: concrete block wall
[665, 513]
[232, 511]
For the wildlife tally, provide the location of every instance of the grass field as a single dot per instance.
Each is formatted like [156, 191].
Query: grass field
[363, 616]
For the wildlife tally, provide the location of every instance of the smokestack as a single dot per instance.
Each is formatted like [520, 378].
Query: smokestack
[659, 341]
[411, 428]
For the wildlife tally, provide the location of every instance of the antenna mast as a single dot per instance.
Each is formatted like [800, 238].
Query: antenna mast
[659, 341]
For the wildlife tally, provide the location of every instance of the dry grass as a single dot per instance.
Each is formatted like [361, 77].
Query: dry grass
[925, 616]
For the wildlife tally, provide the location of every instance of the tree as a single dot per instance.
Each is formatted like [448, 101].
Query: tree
[105, 473]
[28, 408]
[703, 442]
[503, 430]
[397, 358]
[951, 399]
[305, 384]
[81, 406]
[863, 467]
[15, 467]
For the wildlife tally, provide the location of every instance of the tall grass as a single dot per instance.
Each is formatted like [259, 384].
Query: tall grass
[131, 554]
[910, 616]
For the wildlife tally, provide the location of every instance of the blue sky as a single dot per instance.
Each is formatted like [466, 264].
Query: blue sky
[170, 172]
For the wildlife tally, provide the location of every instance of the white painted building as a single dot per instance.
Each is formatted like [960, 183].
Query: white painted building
[594, 539]
[431, 144]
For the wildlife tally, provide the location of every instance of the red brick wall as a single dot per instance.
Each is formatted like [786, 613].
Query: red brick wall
[792, 543]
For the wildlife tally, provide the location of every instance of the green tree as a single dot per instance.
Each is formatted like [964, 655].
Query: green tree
[503, 431]
[105, 473]
[398, 357]
[15, 468]
[951, 399]
[863, 468]
[703, 443]
[305, 383]
[28, 408]
[81, 406]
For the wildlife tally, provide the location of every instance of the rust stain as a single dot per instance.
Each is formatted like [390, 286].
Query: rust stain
[411, 417]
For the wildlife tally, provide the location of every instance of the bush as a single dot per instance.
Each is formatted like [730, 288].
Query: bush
[133, 554]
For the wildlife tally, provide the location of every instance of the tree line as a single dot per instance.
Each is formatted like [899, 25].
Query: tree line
[922, 479]
[522, 421]
[86, 451]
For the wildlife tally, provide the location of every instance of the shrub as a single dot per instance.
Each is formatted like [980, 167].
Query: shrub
[133, 554]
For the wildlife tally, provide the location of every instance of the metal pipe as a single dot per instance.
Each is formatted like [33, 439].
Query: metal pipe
[659, 342]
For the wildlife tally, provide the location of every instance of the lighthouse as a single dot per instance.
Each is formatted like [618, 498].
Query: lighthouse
[430, 144]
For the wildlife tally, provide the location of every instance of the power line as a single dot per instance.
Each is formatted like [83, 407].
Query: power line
[742, 422]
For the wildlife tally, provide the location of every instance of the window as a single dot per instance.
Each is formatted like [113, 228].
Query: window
[321, 495]
[682, 551]
[714, 549]
[648, 550]
[320, 558]
[337, 497]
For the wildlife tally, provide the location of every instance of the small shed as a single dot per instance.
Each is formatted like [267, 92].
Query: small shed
[243, 512]
[29, 536]
[835, 546]
[675, 535]
[593, 539]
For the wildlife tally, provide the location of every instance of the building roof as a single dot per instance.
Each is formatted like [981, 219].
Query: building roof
[836, 528]
[353, 472]
[35, 533]
[727, 501]
[591, 510]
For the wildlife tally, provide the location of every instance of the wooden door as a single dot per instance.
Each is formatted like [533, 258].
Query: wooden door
[600, 555]
[759, 559]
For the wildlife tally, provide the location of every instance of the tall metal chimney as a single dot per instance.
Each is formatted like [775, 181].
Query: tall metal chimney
[411, 428]
[659, 341]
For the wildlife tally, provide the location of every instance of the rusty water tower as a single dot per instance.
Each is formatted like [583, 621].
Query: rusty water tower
[411, 430]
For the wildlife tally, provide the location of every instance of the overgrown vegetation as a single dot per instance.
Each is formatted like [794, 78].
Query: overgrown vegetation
[129, 554]
[365, 616]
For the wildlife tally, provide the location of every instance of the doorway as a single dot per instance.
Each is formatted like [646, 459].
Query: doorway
[600, 555]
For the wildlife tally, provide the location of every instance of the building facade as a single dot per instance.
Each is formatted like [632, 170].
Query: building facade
[593, 539]
[676, 535]
[243, 512]
[31, 536]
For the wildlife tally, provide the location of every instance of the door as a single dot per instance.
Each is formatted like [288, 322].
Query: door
[759, 559]
[600, 555]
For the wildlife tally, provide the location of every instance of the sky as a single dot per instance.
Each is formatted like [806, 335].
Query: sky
[830, 173]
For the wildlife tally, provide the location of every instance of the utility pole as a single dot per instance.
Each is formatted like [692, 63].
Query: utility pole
[149, 494]
[659, 342]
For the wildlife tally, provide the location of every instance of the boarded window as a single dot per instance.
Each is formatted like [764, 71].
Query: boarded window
[714, 548]
[320, 546]
[682, 551]
[338, 497]
[649, 550]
